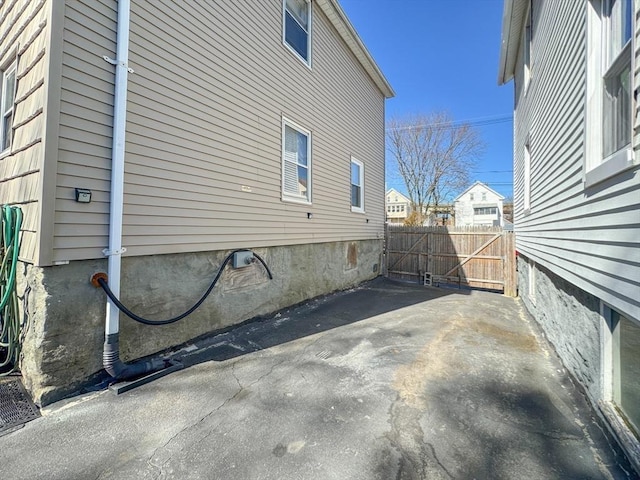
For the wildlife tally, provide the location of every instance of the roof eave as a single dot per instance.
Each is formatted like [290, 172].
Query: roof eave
[512, 25]
[339, 20]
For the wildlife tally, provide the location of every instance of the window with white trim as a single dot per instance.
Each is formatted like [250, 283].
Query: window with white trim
[296, 31]
[296, 162]
[531, 273]
[357, 186]
[624, 374]
[609, 89]
[527, 179]
[8, 100]
[485, 211]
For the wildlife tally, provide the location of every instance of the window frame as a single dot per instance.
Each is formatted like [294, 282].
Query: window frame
[5, 110]
[611, 324]
[287, 196]
[598, 166]
[308, 31]
[526, 188]
[356, 209]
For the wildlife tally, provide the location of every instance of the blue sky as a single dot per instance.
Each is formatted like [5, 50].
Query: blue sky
[443, 55]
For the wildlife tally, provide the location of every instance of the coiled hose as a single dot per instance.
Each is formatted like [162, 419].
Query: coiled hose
[103, 283]
[10, 325]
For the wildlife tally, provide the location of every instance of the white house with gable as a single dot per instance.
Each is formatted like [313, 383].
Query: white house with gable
[398, 207]
[479, 205]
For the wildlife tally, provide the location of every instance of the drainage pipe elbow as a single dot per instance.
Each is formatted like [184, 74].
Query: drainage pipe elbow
[123, 371]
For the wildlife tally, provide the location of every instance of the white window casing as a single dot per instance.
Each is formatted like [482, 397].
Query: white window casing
[296, 28]
[609, 104]
[7, 106]
[526, 202]
[357, 186]
[296, 163]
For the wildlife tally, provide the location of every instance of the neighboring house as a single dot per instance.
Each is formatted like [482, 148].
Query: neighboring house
[479, 205]
[256, 125]
[398, 207]
[577, 190]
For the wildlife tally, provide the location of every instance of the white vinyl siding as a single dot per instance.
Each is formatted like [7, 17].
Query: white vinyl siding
[203, 165]
[589, 237]
[23, 54]
[357, 186]
[296, 163]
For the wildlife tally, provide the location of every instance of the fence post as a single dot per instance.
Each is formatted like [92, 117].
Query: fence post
[385, 251]
[510, 277]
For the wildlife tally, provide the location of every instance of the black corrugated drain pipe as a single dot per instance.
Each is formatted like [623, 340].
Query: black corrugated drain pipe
[111, 352]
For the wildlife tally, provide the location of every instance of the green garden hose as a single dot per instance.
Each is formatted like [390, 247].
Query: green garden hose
[9, 314]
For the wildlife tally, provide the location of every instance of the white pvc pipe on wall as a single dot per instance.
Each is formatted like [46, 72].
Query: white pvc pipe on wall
[117, 164]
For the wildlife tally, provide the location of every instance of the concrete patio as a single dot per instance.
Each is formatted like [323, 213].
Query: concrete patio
[385, 381]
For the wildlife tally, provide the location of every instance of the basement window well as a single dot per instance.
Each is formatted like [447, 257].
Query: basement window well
[626, 369]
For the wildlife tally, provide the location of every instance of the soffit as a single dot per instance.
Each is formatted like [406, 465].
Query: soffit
[513, 16]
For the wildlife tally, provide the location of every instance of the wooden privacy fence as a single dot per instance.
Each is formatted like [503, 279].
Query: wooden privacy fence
[478, 257]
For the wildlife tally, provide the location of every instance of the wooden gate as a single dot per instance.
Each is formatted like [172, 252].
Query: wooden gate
[477, 257]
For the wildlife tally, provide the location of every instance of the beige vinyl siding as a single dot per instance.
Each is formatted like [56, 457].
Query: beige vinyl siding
[588, 236]
[84, 141]
[23, 27]
[205, 106]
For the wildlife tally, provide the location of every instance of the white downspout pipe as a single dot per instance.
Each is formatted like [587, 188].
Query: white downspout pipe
[115, 249]
[111, 354]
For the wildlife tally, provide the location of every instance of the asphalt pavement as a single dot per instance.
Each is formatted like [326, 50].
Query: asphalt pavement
[387, 381]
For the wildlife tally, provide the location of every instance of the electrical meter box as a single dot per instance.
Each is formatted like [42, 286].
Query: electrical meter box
[242, 259]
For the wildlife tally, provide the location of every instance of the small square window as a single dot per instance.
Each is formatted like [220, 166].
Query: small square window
[296, 163]
[297, 27]
[357, 186]
[8, 99]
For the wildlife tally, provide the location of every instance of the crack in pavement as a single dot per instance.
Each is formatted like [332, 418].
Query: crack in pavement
[166, 446]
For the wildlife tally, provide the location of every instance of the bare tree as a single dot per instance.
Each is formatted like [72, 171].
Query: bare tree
[434, 156]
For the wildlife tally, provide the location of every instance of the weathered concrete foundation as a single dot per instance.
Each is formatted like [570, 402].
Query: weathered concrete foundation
[65, 314]
[570, 317]
[572, 322]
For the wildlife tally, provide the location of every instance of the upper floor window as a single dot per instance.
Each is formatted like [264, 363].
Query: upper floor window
[296, 162]
[471, 197]
[609, 113]
[485, 211]
[8, 99]
[297, 27]
[616, 128]
[484, 196]
[357, 186]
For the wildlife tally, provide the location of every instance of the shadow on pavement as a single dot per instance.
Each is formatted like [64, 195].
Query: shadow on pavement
[368, 300]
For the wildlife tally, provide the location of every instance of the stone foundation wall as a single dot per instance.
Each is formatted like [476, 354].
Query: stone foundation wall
[66, 314]
[570, 318]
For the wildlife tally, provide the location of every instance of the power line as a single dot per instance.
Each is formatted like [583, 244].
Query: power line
[474, 122]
